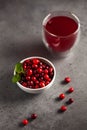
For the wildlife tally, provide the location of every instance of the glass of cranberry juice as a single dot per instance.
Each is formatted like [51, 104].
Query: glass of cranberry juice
[60, 31]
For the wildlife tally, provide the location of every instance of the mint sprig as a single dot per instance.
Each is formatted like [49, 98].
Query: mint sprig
[18, 70]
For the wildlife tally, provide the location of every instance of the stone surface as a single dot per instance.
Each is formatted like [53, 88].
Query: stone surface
[20, 37]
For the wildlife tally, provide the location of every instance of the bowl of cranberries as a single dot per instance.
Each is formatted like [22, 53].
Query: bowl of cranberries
[34, 74]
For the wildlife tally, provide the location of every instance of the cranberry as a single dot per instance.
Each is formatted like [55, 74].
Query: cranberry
[29, 72]
[63, 108]
[25, 122]
[42, 84]
[37, 75]
[51, 74]
[24, 67]
[71, 100]
[35, 61]
[41, 66]
[41, 79]
[49, 79]
[35, 66]
[61, 96]
[47, 67]
[24, 84]
[42, 74]
[46, 71]
[67, 79]
[33, 78]
[46, 76]
[39, 70]
[50, 69]
[36, 82]
[31, 83]
[27, 61]
[71, 89]
[34, 116]
[28, 77]
[47, 82]
[36, 86]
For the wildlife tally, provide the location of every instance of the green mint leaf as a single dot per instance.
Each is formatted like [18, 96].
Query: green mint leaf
[16, 78]
[19, 68]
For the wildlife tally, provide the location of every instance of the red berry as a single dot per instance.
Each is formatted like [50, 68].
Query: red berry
[31, 83]
[29, 72]
[46, 71]
[35, 66]
[42, 84]
[62, 96]
[47, 67]
[71, 100]
[27, 61]
[33, 78]
[25, 122]
[39, 70]
[67, 79]
[71, 89]
[27, 77]
[36, 82]
[35, 61]
[24, 84]
[49, 79]
[63, 108]
[24, 67]
[46, 76]
[34, 116]
[50, 69]
[36, 86]
[47, 82]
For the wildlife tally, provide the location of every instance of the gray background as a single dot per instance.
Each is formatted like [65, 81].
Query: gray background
[20, 37]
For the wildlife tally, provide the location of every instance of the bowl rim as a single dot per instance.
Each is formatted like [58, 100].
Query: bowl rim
[47, 61]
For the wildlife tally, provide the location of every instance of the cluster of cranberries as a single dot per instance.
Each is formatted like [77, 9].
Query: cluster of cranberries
[26, 121]
[37, 74]
[62, 95]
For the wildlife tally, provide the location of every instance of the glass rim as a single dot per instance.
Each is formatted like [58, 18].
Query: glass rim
[75, 18]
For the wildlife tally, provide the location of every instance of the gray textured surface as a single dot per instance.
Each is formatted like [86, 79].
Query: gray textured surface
[20, 37]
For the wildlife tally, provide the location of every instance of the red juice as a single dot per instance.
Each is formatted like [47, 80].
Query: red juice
[59, 33]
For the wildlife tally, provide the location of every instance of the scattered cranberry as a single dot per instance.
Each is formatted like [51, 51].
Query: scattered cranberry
[63, 108]
[25, 122]
[71, 100]
[34, 116]
[71, 89]
[62, 96]
[67, 79]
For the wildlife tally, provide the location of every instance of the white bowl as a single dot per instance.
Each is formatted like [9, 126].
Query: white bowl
[38, 90]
